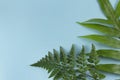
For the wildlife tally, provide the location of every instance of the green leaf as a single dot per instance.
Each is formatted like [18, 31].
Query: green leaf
[98, 21]
[114, 54]
[63, 56]
[72, 51]
[117, 10]
[35, 64]
[54, 72]
[58, 76]
[109, 12]
[111, 68]
[102, 76]
[56, 56]
[50, 55]
[107, 8]
[101, 28]
[80, 66]
[69, 66]
[93, 57]
[104, 40]
[82, 62]
[72, 56]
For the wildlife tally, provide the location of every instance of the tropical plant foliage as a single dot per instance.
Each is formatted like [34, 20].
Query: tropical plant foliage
[83, 66]
[109, 27]
[110, 33]
[72, 65]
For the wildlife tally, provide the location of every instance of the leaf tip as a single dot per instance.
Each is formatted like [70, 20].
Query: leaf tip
[33, 65]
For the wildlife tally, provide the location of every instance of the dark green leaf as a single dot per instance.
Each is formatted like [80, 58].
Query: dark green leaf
[93, 57]
[72, 51]
[36, 64]
[102, 76]
[50, 56]
[56, 56]
[63, 56]
[58, 76]
[54, 72]
[72, 56]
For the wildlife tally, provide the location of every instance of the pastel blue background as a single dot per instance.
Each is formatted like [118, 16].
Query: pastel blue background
[31, 28]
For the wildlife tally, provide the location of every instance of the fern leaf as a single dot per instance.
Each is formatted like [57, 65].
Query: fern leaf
[56, 56]
[93, 57]
[82, 64]
[63, 56]
[58, 76]
[94, 60]
[71, 66]
[50, 56]
[54, 72]
[71, 56]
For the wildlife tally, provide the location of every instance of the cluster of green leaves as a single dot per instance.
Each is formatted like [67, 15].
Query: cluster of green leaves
[82, 66]
[72, 65]
[110, 33]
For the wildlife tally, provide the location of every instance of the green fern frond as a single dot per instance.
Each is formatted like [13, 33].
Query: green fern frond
[71, 66]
